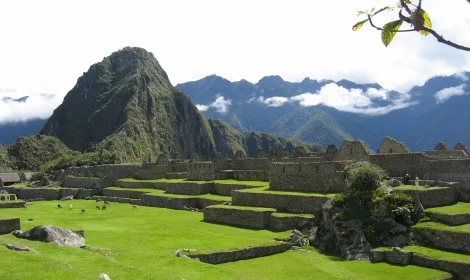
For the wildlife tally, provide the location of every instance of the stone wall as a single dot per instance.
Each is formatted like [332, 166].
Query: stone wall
[323, 177]
[86, 182]
[243, 175]
[124, 193]
[282, 222]
[140, 185]
[226, 189]
[9, 225]
[13, 204]
[154, 172]
[247, 217]
[443, 239]
[49, 193]
[201, 170]
[434, 197]
[110, 171]
[456, 170]
[403, 257]
[446, 154]
[352, 150]
[170, 201]
[241, 254]
[189, 188]
[392, 146]
[249, 164]
[283, 202]
[397, 165]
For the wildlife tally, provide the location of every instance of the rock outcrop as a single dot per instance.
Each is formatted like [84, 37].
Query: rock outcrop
[48, 233]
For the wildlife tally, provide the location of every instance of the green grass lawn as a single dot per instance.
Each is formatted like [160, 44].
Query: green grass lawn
[456, 209]
[140, 243]
[438, 254]
[439, 226]
[413, 188]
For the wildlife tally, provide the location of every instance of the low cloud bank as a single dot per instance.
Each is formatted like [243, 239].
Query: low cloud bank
[369, 102]
[20, 107]
[220, 104]
[444, 94]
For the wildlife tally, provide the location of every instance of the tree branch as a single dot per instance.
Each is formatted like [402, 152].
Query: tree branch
[441, 39]
[380, 28]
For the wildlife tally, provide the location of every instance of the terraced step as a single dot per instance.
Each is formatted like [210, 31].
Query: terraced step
[241, 216]
[139, 184]
[182, 202]
[251, 252]
[441, 236]
[257, 217]
[457, 214]
[126, 192]
[431, 196]
[457, 264]
[189, 188]
[177, 175]
[294, 202]
[288, 221]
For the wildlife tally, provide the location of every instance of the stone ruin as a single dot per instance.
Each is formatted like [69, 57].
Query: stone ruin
[392, 146]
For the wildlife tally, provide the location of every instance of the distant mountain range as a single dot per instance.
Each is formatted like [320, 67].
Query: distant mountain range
[326, 112]
[313, 111]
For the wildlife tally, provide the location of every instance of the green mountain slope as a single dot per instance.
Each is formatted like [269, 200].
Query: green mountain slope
[29, 153]
[127, 105]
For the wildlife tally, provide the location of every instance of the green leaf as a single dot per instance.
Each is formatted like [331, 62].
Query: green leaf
[426, 21]
[389, 31]
[358, 25]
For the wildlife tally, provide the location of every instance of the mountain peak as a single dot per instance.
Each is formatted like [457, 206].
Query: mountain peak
[270, 81]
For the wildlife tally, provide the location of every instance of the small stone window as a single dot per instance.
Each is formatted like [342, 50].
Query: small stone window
[317, 168]
[284, 169]
[300, 168]
[391, 150]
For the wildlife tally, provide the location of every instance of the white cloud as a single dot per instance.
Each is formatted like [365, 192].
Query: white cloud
[347, 100]
[221, 104]
[36, 106]
[444, 94]
[351, 100]
[201, 107]
[374, 93]
[463, 76]
[275, 101]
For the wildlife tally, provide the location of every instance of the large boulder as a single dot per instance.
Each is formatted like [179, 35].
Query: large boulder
[58, 235]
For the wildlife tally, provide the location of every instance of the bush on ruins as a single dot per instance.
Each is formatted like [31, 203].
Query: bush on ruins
[365, 211]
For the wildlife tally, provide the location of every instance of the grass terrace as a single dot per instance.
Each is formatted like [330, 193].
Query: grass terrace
[438, 254]
[163, 193]
[456, 209]
[267, 190]
[140, 243]
[226, 182]
[413, 188]
[438, 226]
